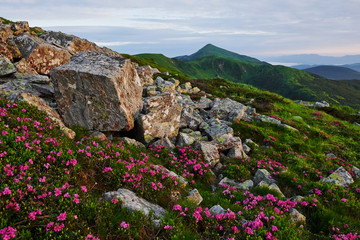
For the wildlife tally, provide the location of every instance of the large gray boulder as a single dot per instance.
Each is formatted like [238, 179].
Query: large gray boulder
[41, 55]
[133, 203]
[6, 67]
[340, 177]
[161, 117]
[98, 92]
[227, 109]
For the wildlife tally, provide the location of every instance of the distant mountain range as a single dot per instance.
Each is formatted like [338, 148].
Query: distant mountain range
[314, 59]
[334, 72]
[213, 62]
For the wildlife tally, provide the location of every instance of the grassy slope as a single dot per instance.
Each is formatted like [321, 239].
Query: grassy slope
[294, 159]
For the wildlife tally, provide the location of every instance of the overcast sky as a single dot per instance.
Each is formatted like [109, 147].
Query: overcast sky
[252, 27]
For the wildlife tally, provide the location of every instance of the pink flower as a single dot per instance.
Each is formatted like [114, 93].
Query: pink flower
[344, 200]
[58, 227]
[114, 201]
[177, 207]
[274, 228]
[7, 191]
[124, 224]
[62, 216]
[83, 188]
[106, 169]
[168, 227]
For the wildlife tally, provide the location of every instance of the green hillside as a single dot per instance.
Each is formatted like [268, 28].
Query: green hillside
[289, 82]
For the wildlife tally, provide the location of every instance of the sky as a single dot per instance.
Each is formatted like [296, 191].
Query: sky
[257, 28]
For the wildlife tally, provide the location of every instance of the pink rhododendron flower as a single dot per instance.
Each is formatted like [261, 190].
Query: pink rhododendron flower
[124, 224]
[62, 216]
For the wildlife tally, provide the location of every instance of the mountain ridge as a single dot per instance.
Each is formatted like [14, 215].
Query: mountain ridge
[334, 72]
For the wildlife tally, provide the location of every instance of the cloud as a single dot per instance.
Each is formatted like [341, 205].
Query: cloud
[108, 44]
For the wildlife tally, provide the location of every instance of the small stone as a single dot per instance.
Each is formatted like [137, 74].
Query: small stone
[195, 197]
[216, 210]
[297, 198]
[263, 175]
[98, 135]
[133, 142]
[356, 172]
[210, 152]
[296, 216]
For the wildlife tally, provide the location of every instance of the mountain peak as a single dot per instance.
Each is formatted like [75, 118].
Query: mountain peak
[210, 50]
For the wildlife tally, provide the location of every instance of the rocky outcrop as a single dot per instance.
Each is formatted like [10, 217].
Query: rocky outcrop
[133, 203]
[160, 118]
[72, 43]
[98, 92]
[340, 177]
[41, 55]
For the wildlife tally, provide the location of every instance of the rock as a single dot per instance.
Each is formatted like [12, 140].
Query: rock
[98, 135]
[146, 74]
[275, 187]
[210, 152]
[184, 140]
[186, 101]
[246, 185]
[161, 117]
[356, 172]
[216, 210]
[189, 120]
[321, 104]
[217, 128]
[237, 152]
[39, 54]
[296, 216]
[246, 148]
[18, 83]
[6, 32]
[133, 203]
[165, 142]
[227, 109]
[331, 155]
[251, 143]
[195, 197]
[41, 105]
[340, 177]
[133, 142]
[203, 103]
[263, 175]
[6, 67]
[226, 142]
[264, 118]
[20, 27]
[297, 198]
[23, 67]
[98, 92]
[357, 124]
[287, 127]
[73, 43]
